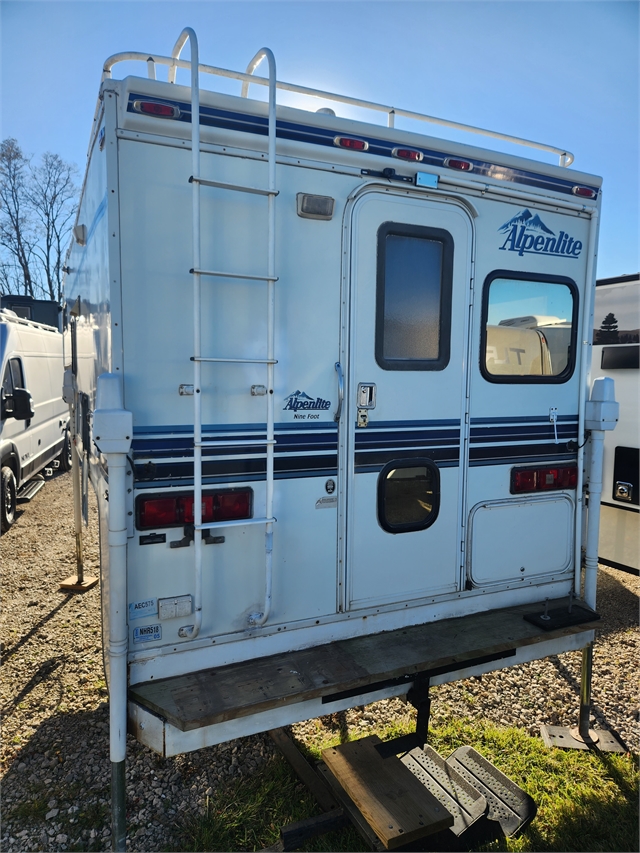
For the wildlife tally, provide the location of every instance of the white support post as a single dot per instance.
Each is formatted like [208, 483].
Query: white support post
[601, 415]
[112, 432]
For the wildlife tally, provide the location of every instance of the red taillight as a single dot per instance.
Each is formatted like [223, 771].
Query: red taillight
[153, 108]
[350, 142]
[407, 154]
[461, 165]
[157, 512]
[584, 192]
[176, 510]
[543, 479]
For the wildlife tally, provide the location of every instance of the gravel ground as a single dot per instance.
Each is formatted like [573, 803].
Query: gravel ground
[55, 753]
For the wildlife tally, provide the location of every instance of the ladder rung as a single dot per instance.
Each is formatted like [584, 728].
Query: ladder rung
[234, 275]
[237, 360]
[234, 443]
[238, 187]
[213, 524]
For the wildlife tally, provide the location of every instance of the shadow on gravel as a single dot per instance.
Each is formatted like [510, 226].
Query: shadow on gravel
[616, 603]
[65, 772]
[45, 670]
[9, 651]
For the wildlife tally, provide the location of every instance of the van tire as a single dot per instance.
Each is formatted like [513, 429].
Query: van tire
[8, 503]
[66, 457]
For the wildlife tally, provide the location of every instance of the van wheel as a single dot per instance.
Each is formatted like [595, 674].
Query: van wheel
[9, 490]
[66, 457]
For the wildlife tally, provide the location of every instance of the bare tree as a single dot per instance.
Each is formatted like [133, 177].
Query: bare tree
[37, 207]
[17, 235]
[52, 197]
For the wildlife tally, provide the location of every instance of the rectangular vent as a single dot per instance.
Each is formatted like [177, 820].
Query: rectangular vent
[315, 206]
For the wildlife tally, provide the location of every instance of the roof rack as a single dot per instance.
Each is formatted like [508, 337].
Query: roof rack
[565, 157]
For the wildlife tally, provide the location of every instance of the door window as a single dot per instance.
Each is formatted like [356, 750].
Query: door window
[413, 304]
[408, 495]
[529, 328]
[12, 379]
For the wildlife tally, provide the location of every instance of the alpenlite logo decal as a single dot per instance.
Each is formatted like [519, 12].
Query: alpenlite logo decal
[528, 235]
[299, 400]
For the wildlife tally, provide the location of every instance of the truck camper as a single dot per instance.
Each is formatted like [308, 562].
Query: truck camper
[616, 346]
[331, 387]
[34, 424]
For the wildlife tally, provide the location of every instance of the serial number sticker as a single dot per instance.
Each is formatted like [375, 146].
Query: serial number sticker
[147, 633]
[138, 609]
[327, 503]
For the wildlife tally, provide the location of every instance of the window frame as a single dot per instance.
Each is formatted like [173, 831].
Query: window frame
[519, 275]
[409, 527]
[446, 293]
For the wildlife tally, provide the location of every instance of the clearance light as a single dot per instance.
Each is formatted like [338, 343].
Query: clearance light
[350, 142]
[543, 479]
[175, 510]
[153, 108]
[407, 154]
[584, 192]
[461, 165]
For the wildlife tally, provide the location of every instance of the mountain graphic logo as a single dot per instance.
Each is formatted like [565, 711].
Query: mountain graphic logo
[301, 400]
[525, 217]
[527, 234]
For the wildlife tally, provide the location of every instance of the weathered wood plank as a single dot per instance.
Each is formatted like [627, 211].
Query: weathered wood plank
[395, 804]
[305, 771]
[294, 835]
[223, 693]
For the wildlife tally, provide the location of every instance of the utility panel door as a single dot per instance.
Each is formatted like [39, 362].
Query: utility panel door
[405, 398]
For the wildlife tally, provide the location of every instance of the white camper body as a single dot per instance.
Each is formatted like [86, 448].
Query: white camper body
[34, 426]
[615, 354]
[387, 399]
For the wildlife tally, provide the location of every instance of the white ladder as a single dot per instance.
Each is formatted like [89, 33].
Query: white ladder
[255, 619]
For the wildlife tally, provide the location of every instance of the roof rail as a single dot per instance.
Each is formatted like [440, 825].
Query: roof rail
[11, 316]
[565, 157]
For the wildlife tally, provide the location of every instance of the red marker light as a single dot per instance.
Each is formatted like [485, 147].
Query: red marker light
[175, 510]
[461, 165]
[584, 192]
[350, 142]
[153, 108]
[543, 479]
[407, 154]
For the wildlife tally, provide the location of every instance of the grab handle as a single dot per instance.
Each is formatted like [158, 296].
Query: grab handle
[338, 412]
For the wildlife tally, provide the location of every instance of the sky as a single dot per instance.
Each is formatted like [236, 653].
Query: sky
[561, 72]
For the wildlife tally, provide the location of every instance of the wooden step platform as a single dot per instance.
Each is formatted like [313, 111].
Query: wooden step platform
[350, 667]
[393, 801]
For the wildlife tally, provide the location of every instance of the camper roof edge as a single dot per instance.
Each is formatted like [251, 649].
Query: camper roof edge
[565, 157]
[160, 90]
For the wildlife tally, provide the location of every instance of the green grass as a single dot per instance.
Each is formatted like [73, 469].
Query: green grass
[586, 801]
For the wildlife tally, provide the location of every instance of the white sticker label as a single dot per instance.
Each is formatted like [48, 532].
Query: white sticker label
[138, 609]
[327, 503]
[147, 633]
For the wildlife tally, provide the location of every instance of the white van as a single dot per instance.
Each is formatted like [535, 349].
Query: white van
[34, 429]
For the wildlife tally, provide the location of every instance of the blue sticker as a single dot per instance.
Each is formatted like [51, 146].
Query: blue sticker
[138, 609]
[424, 179]
[147, 633]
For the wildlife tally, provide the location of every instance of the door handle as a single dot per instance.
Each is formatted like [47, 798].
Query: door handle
[338, 411]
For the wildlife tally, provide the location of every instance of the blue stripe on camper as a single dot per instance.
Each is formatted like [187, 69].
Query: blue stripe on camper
[161, 454]
[247, 123]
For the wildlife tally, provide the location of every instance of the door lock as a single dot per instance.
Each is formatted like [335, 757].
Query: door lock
[366, 401]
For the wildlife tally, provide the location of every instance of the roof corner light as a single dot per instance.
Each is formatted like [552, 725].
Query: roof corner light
[460, 165]
[584, 192]
[326, 111]
[407, 154]
[350, 142]
[153, 108]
